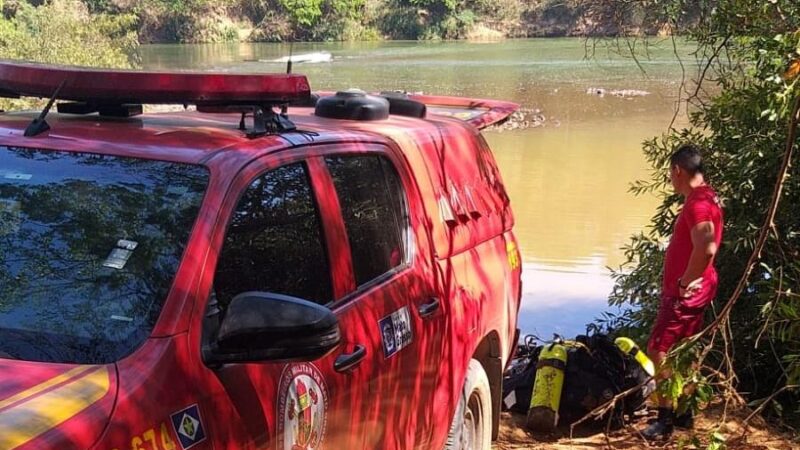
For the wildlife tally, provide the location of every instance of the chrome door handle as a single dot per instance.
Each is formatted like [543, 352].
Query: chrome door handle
[347, 361]
[428, 309]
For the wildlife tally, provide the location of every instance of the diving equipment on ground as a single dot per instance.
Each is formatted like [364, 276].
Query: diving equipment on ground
[629, 347]
[546, 396]
[596, 370]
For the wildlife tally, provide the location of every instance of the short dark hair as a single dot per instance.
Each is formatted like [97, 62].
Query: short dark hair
[688, 158]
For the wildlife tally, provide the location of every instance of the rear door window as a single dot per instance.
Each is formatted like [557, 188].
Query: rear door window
[274, 242]
[374, 213]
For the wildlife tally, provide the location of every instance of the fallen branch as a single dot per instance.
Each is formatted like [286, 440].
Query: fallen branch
[606, 407]
[769, 399]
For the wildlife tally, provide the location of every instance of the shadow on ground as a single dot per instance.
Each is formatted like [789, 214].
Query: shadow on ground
[757, 436]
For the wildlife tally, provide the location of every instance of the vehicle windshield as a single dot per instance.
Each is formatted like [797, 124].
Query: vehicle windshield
[89, 246]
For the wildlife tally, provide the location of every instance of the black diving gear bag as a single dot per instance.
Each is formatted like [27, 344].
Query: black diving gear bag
[596, 371]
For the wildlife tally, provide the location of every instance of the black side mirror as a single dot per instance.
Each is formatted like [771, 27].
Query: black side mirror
[266, 327]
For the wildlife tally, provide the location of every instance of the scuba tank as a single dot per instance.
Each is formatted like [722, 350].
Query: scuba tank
[629, 347]
[547, 386]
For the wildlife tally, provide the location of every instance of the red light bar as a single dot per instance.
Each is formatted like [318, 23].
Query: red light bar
[128, 86]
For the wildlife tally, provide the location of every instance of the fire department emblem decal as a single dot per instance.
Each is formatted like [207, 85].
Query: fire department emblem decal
[302, 409]
[188, 427]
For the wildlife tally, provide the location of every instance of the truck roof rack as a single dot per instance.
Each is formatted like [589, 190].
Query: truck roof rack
[122, 92]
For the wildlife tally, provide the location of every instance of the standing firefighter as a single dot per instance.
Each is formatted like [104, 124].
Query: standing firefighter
[690, 280]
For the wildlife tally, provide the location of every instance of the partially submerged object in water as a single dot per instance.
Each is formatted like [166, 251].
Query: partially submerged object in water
[314, 57]
[602, 92]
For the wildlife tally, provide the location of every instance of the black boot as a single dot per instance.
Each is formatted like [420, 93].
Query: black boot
[685, 420]
[662, 428]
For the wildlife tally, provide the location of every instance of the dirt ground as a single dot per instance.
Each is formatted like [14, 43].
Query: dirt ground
[757, 436]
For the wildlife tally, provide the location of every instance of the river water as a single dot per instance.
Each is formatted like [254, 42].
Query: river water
[568, 179]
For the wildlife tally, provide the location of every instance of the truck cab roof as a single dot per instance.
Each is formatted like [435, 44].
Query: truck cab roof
[194, 137]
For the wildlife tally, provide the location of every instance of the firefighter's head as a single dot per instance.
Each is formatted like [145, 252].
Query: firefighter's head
[686, 168]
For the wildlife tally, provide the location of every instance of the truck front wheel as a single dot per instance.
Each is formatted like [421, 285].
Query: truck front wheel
[472, 425]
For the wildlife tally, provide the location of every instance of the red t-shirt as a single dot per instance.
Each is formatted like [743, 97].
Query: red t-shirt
[702, 205]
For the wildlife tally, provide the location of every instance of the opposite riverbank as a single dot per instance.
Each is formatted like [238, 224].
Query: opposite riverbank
[207, 21]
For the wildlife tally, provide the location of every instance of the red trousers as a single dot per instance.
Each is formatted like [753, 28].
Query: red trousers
[679, 318]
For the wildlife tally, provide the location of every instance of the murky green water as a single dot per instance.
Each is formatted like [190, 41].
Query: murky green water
[568, 180]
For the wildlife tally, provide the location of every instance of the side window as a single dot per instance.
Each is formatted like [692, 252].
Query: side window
[490, 173]
[374, 212]
[274, 242]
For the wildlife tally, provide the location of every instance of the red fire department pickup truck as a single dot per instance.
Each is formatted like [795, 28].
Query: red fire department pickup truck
[268, 270]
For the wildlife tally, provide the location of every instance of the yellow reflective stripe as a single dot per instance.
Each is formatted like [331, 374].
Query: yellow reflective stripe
[30, 419]
[44, 386]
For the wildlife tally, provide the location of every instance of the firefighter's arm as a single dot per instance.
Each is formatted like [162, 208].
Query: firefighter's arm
[704, 248]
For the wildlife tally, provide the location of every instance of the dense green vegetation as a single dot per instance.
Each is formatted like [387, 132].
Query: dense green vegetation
[741, 112]
[334, 20]
[315, 20]
[65, 32]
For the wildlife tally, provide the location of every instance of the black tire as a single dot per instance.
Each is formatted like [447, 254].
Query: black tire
[471, 428]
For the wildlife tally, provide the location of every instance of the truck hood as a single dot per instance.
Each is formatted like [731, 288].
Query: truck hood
[44, 405]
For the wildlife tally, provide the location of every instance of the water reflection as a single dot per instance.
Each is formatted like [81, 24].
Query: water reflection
[556, 299]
